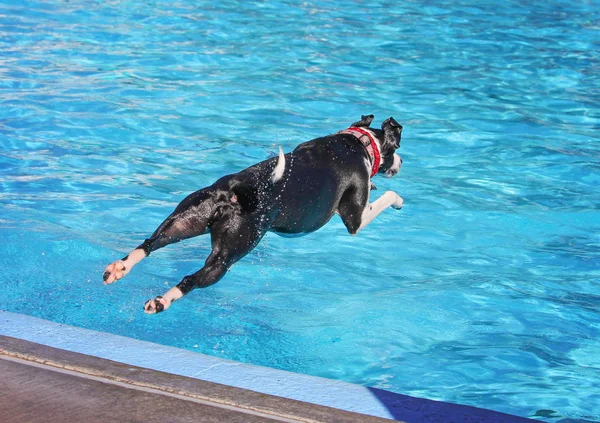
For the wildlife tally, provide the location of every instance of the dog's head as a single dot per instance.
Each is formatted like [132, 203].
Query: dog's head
[389, 140]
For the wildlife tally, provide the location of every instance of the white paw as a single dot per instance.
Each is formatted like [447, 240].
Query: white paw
[156, 305]
[114, 272]
[399, 202]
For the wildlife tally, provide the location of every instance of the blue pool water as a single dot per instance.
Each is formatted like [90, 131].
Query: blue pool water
[484, 290]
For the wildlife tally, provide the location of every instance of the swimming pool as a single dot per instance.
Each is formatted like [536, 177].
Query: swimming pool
[484, 290]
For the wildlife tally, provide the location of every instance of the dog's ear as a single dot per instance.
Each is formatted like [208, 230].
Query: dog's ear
[364, 122]
[392, 131]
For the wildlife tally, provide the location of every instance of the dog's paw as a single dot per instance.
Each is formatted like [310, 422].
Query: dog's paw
[399, 202]
[114, 272]
[156, 305]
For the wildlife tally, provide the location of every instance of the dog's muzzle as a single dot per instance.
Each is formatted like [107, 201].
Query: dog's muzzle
[395, 168]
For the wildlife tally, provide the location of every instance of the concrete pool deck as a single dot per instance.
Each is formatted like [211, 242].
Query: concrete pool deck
[53, 372]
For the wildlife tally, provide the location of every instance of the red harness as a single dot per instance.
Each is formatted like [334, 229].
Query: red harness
[368, 141]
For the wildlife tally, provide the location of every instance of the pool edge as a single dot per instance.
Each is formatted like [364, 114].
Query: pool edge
[278, 385]
[212, 396]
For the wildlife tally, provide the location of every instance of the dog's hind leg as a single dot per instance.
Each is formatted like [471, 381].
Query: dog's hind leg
[191, 218]
[229, 244]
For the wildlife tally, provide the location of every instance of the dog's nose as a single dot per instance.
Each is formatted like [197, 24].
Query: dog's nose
[401, 161]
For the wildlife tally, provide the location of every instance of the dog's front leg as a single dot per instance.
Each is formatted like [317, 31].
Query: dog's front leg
[356, 212]
[388, 199]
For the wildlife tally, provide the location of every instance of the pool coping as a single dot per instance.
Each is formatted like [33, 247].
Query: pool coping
[249, 388]
[219, 398]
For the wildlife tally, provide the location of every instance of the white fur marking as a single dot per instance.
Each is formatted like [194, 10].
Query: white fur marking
[368, 165]
[279, 169]
[120, 268]
[389, 198]
[396, 165]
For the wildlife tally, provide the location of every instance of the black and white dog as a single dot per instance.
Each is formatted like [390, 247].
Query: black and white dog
[292, 194]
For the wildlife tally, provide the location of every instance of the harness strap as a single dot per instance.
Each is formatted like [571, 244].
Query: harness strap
[367, 139]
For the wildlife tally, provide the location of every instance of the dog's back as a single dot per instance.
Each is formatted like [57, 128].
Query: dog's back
[318, 174]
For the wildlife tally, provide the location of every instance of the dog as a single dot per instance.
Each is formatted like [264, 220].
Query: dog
[292, 194]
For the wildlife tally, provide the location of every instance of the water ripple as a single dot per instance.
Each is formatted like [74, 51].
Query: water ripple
[486, 285]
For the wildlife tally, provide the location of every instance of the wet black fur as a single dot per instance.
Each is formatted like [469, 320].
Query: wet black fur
[321, 176]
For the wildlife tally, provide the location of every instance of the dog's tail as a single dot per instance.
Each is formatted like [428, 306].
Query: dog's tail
[279, 167]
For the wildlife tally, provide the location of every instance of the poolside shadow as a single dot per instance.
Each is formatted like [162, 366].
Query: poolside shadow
[418, 410]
